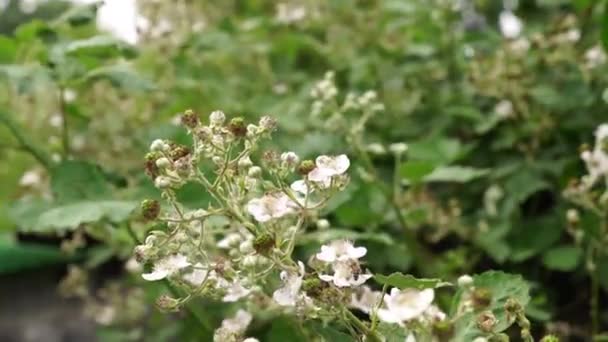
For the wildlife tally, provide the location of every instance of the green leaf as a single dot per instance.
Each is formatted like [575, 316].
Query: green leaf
[415, 170]
[81, 15]
[440, 151]
[563, 258]
[457, 174]
[502, 286]
[70, 216]
[407, 281]
[102, 47]
[323, 236]
[604, 30]
[77, 180]
[121, 76]
[393, 332]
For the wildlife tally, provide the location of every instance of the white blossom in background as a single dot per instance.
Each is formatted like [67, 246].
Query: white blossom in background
[328, 167]
[504, 109]
[510, 25]
[365, 299]
[166, 267]
[596, 160]
[30, 178]
[270, 206]
[405, 305]
[288, 13]
[340, 250]
[289, 294]
[595, 57]
[235, 291]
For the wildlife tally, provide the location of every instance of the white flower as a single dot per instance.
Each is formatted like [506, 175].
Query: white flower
[217, 118]
[290, 13]
[340, 250]
[198, 275]
[365, 300]
[30, 178]
[251, 339]
[166, 267]
[327, 167]
[270, 206]
[410, 338]
[398, 148]
[595, 56]
[433, 313]
[289, 294]
[346, 274]
[229, 241]
[504, 109]
[510, 25]
[235, 292]
[405, 305]
[233, 327]
[159, 145]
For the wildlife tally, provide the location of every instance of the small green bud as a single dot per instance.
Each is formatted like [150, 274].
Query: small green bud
[443, 330]
[481, 297]
[150, 209]
[237, 127]
[305, 167]
[550, 338]
[263, 243]
[513, 307]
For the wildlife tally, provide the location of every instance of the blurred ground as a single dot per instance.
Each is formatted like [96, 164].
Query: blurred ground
[31, 310]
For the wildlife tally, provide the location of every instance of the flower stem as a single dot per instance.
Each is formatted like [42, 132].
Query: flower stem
[24, 141]
[371, 335]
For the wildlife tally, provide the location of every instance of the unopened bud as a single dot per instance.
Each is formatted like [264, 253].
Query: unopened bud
[150, 209]
[254, 172]
[398, 148]
[465, 280]
[443, 330]
[573, 217]
[245, 163]
[162, 182]
[290, 159]
[159, 145]
[481, 297]
[305, 167]
[163, 163]
[323, 224]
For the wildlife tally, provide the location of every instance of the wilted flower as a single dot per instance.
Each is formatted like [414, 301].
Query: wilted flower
[270, 206]
[405, 305]
[166, 267]
[217, 118]
[289, 294]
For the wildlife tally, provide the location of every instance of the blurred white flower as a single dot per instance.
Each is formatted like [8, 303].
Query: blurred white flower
[504, 109]
[595, 57]
[289, 294]
[465, 280]
[217, 118]
[232, 327]
[290, 13]
[270, 206]
[365, 299]
[166, 267]
[197, 276]
[235, 292]
[30, 178]
[346, 274]
[340, 250]
[327, 167]
[405, 305]
[510, 25]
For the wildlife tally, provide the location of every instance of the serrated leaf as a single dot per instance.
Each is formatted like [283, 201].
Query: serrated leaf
[70, 216]
[456, 174]
[562, 258]
[502, 286]
[407, 281]
[121, 76]
[77, 180]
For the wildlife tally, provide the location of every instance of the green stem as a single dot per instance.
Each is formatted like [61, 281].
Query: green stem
[24, 142]
[65, 134]
[371, 335]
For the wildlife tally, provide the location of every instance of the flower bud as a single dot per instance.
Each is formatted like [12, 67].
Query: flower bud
[398, 148]
[305, 167]
[245, 163]
[513, 307]
[323, 224]
[237, 127]
[376, 148]
[163, 163]
[573, 217]
[246, 247]
[254, 172]
[443, 330]
[150, 209]
[263, 244]
[486, 321]
[167, 304]
[159, 145]
[250, 261]
[481, 297]
[190, 119]
[252, 130]
[465, 280]
[290, 159]
[162, 182]
[217, 118]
